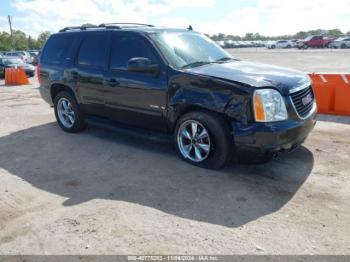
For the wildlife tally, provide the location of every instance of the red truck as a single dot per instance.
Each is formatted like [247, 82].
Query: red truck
[315, 41]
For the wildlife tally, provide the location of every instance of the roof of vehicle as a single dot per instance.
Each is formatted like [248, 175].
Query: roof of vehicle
[10, 57]
[125, 27]
[342, 38]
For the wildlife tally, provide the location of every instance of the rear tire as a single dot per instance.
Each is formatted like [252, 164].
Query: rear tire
[209, 145]
[67, 113]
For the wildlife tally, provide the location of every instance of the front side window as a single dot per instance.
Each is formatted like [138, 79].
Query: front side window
[93, 50]
[185, 48]
[125, 47]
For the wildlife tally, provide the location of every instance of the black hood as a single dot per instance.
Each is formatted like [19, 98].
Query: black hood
[254, 74]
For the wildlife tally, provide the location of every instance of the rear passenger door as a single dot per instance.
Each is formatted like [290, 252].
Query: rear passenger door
[91, 65]
[135, 98]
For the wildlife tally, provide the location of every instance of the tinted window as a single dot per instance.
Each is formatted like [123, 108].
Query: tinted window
[125, 47]
[57, 48]
[93, 50]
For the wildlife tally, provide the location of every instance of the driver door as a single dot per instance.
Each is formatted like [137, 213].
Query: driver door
[135, 98]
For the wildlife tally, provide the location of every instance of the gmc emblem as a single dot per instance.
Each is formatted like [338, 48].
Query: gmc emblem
[306, 100]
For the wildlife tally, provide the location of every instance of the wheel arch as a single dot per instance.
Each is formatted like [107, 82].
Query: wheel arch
[58, 87]
[181, 110]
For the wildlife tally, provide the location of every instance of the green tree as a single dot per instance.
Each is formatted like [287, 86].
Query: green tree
[31, 42]
[42, 39]
[249, 36]
[19, 39]
[5, 41]
[335, 32]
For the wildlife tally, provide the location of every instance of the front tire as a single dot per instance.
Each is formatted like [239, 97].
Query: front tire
[203, 139]
[67, 113]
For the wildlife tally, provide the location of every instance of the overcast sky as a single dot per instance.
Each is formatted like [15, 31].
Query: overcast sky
[268, 17]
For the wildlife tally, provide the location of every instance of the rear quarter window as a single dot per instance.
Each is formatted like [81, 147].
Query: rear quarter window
[57, 48]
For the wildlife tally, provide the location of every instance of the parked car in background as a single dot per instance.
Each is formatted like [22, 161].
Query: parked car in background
[315, 41]
[228, 43]
[15, 62]
[25, 56]
[35, 56]
[279, 44]
[341, 42]
[259, 43]
[221, 43]
[294, 42]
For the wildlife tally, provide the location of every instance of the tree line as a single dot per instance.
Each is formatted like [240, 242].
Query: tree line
[22, 41]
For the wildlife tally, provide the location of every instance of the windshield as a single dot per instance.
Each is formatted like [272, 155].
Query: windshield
[9, 61]
[189, 49]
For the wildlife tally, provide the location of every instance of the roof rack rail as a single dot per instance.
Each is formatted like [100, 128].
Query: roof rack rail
[105, 25]
[126, 24]
[68, 28]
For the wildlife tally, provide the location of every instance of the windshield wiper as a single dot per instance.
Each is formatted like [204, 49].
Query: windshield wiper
[224, 59]
[194, 64]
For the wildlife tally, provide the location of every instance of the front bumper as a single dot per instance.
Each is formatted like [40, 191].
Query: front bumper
[272, 138]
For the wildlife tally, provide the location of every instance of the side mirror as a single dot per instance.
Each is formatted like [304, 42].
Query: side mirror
[142, 65]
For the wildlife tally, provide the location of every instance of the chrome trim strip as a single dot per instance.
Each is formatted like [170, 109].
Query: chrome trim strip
[296, 89]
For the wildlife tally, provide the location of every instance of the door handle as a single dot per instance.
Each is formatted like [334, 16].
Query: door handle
[111, 82]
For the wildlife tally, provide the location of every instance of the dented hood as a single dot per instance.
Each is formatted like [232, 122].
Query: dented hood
[254, 74]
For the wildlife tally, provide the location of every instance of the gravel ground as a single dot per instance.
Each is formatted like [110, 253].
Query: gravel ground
[102, 192]
[310, 60]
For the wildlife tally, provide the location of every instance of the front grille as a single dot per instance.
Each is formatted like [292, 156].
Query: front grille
[297, 98]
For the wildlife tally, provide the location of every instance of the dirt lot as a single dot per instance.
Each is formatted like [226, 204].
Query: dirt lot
[311, 60]
[122, 193]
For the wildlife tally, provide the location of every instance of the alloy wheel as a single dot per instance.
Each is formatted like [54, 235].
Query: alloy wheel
[65, 112]
[193, 141]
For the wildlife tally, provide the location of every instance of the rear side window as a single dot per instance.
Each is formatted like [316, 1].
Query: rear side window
[93, 50]
[57, 48]
[125, 47]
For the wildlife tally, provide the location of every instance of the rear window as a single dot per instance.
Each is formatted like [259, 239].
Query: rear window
[57, 48]
[93, 50]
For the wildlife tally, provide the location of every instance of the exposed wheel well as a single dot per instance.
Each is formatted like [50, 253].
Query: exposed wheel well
[57, 88]
[192, 108]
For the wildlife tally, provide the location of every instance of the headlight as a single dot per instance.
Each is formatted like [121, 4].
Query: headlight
[269, 106]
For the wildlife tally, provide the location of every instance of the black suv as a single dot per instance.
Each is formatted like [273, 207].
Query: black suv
[176, 81]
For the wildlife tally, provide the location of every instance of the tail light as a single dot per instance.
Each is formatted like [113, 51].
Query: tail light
[38, 73]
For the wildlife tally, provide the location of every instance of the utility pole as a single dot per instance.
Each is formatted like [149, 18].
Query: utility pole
[10, 23]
